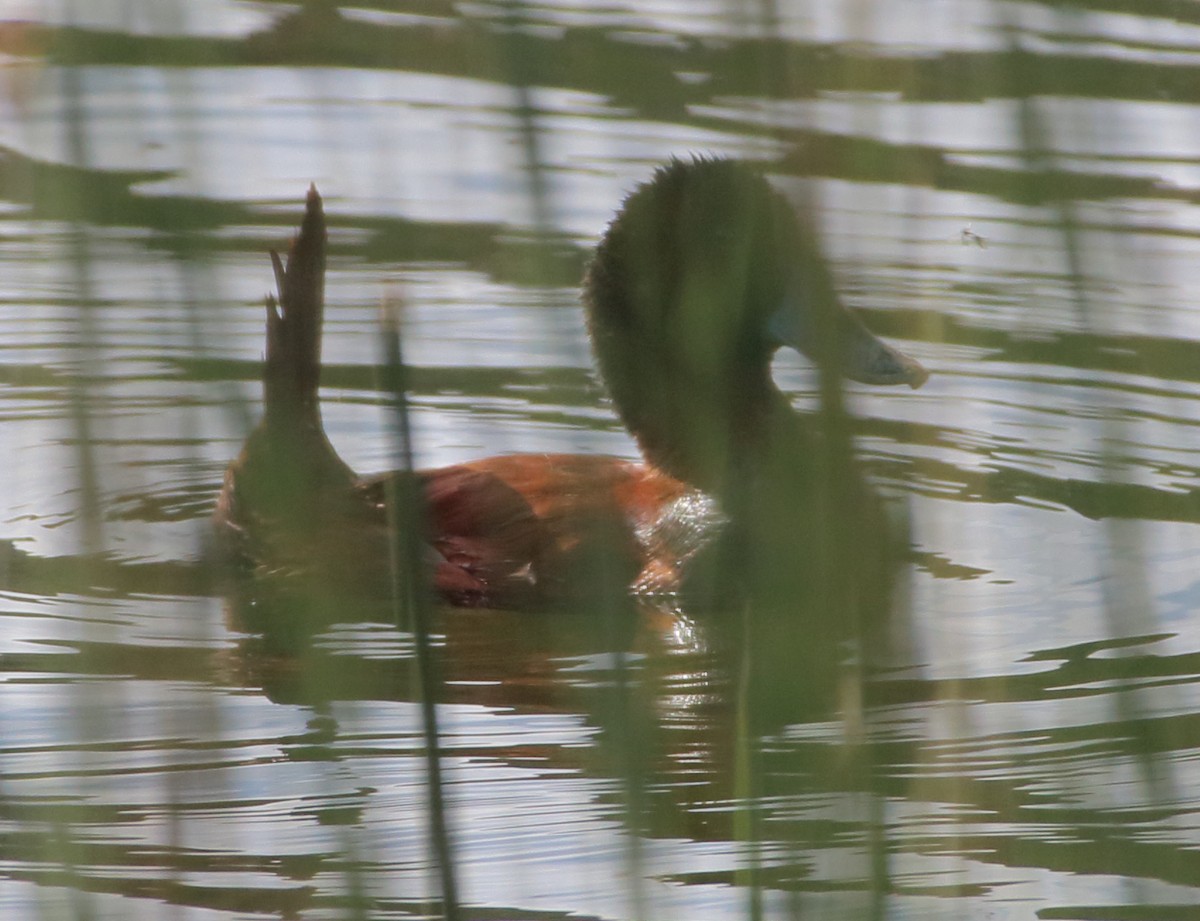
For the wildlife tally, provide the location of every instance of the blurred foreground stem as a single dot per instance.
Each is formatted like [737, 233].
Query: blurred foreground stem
[412, 601]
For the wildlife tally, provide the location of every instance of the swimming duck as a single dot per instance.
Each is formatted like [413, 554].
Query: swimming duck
[702, 275]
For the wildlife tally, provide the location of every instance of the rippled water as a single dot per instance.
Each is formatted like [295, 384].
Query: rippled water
[1007, 190]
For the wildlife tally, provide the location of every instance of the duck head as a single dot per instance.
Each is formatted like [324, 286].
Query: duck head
[701, 276]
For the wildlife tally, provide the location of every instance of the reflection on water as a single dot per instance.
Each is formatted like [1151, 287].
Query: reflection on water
[1008, 191]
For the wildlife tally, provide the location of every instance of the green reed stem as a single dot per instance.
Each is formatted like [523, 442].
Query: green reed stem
[411, 599]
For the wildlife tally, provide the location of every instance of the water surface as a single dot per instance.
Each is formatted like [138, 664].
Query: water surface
[1006, 190]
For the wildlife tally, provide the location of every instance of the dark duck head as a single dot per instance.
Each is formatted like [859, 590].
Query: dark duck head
[701, 277]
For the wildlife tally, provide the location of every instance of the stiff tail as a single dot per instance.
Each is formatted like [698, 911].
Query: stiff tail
[288, 479]
[293, 366]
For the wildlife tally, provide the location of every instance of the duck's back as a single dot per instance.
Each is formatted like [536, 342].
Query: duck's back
[537, 528]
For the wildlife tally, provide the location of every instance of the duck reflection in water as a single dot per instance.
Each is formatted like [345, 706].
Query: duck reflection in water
[702, 275]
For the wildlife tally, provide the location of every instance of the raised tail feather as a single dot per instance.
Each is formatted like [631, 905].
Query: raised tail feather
[293, 367]
[288, 478]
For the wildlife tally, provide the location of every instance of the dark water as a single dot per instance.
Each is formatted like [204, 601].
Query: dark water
[1007, 190]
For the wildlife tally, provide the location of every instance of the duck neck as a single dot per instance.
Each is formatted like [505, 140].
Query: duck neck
[726, 446]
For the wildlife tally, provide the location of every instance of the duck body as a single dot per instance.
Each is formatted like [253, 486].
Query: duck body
[701, 276]
[506, 531]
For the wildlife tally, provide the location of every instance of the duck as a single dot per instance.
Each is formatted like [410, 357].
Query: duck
[705, 271]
